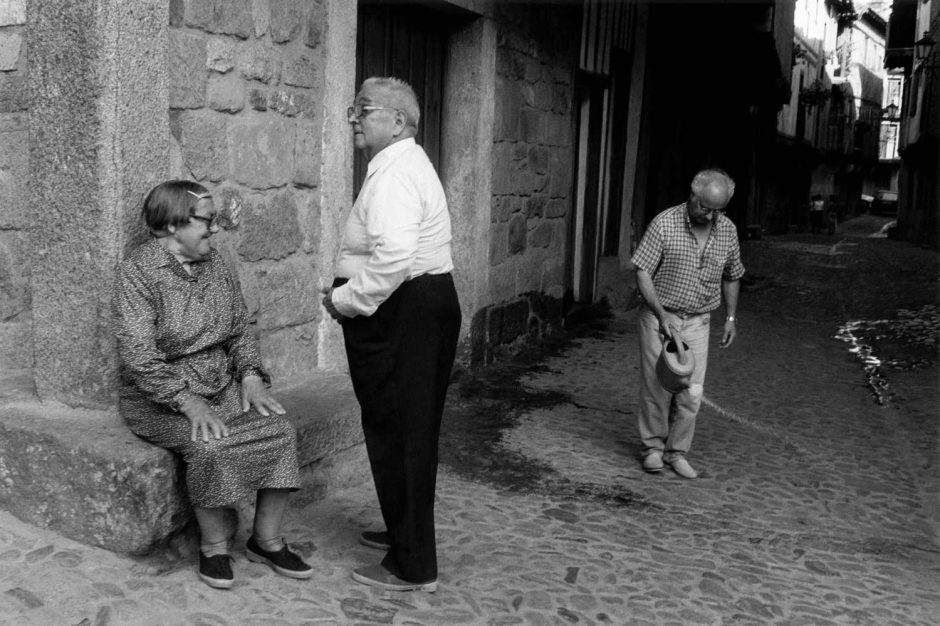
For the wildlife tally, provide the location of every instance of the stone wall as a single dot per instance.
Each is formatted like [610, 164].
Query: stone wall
[246, 100]
[533, 170]
[15, 352]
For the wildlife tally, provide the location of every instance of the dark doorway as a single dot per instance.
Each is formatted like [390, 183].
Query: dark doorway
[407, 41]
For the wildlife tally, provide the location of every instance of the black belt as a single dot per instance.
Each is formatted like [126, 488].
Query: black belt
[683, 314]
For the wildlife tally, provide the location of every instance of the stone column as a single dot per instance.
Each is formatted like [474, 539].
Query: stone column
[467, 162]
[336, 169]
[99, 140]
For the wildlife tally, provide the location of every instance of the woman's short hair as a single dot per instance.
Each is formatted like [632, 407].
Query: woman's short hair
[399, 95]
[172, 203]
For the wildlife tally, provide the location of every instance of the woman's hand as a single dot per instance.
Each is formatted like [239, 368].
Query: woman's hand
[203, 419]
[254, 393]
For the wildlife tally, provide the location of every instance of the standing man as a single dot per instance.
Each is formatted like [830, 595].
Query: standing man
[689, 257]
[394, 295]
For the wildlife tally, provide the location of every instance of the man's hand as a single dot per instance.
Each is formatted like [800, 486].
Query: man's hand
[731, 331]
[668, 323]
[205, 422]
[329, 306]
[255, 394]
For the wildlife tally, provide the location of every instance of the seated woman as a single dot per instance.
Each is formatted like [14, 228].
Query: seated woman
[182, 330]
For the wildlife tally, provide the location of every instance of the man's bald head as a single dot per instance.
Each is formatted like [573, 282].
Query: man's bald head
[713, 187]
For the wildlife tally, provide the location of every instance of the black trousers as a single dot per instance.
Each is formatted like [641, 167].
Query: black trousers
[400, 360]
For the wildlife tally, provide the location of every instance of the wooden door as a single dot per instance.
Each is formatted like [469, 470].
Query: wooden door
[408, 42]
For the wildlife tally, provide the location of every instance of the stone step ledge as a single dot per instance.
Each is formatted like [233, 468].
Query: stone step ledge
[83, 474]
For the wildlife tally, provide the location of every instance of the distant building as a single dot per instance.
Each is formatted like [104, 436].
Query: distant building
[913, 32]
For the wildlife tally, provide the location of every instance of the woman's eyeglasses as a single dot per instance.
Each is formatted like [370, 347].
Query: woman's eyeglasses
[210, 222]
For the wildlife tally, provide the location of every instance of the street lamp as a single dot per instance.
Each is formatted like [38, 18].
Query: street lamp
[890, 112]
[922, 49]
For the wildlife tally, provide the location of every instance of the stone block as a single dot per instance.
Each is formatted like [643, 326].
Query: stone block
[259, 61]
[225, 93]
[531, 125]
[14, 92]
[14, 274]
[85, 475]
[499, 243]
[14, 167]
[10, 46]
[187, 68]
[230, 203]
[507, 110]
[541, 235]
[300, 71]
[258, 99]
[535, 205]
[308, 214]
[291, 103]
[537, 159]
[288, 295]
[556, 207]
[291, 351]
[307, 155]
[287, 18]
[220, 54]
[503, 207]
[561, 99]
[12, 12]
[502, 168]
[513, 322]
[202, 137]
[261, 14]
[258, 159]
[517, 234]
[557, 131]
[324, 410]
[560, 168]
[16, 348]
[503, 281]
[227, 17]
[270, 228]
[316, 25]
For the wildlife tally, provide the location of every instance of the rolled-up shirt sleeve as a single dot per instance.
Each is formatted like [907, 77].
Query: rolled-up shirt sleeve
[392, 221]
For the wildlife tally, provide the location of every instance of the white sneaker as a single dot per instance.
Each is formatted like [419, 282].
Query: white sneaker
[653, 462]
[681, 467]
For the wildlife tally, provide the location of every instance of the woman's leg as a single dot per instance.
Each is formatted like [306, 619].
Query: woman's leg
[266, 544]
[213, 530]
[269, 511]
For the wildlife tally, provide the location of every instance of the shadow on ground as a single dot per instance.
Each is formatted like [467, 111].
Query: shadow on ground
[485, 403]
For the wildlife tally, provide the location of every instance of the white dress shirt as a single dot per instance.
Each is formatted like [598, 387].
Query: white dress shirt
[398, 229]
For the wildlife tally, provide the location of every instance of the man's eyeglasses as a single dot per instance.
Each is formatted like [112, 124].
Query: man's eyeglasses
[707, 210]
[210, 222]
[358, 111]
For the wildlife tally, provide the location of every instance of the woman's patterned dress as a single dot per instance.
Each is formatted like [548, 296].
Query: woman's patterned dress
[181, 335]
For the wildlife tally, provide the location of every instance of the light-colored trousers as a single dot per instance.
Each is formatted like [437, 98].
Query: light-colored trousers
[667, 421]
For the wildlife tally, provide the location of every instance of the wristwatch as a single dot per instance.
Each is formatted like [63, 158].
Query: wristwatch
[730, 318]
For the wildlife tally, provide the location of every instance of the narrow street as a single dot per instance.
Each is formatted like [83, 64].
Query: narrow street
[817, 502]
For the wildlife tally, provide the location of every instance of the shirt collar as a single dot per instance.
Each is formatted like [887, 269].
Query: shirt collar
[388, 154]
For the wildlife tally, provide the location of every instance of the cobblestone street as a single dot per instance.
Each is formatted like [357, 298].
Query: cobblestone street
[816, 504]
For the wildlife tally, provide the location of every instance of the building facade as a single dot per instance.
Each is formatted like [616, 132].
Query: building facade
[914, 32]
[555, 128]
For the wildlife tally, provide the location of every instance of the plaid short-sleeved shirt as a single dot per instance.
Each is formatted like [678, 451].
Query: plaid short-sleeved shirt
[686, 281]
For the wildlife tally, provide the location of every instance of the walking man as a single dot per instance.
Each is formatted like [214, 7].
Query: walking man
[688, 259]
[394, 295]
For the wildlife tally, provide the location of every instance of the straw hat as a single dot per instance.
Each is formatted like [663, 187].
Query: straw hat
[675, 365]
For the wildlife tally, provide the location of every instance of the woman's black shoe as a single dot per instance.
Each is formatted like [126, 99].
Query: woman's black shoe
[216, 571]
